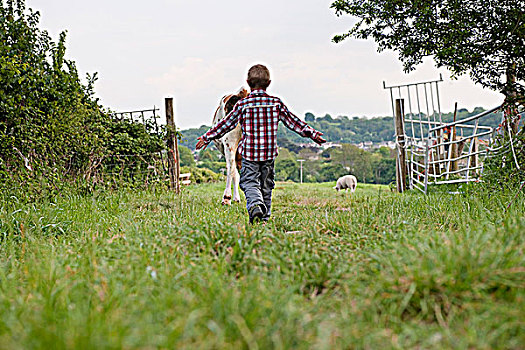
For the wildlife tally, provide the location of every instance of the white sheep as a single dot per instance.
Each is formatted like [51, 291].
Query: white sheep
[346, 182]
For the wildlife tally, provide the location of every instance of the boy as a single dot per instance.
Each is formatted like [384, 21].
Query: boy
[259, 115]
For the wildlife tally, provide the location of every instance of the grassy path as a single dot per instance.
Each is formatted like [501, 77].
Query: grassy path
[373, 270]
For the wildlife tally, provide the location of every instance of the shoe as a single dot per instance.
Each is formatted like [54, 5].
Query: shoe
[256, 213]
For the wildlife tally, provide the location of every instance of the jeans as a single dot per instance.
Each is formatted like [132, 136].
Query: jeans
[257, 183]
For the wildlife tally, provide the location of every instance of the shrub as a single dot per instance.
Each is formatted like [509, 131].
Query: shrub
[51, 124]
[500, 167]
[53, 132]
[201, 175]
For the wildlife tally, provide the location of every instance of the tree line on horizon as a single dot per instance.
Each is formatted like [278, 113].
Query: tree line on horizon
[370, 166]
[343, 129]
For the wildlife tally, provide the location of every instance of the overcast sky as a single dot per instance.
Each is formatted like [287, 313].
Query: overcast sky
[198, 51]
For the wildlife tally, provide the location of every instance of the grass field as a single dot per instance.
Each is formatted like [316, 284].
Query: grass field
[375, 270]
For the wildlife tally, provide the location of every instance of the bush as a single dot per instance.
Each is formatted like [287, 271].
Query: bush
[201, 175]
[51, 124]
[53, 132]
[186, 157]
[331, 172]
[500, 167]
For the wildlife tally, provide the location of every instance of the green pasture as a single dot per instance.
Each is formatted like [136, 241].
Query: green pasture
[373, 270]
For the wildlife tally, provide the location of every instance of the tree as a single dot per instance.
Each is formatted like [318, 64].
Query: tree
[485, 38]
[345, 155]
[331, 172]
[285, 153]
[384, 170]
[209, 154]
[286, 167]
[327, 117]
[385, 152]
[186, 157]
[308, 153]
[309, 117]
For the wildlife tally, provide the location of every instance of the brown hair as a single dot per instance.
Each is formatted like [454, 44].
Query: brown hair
[258, 77]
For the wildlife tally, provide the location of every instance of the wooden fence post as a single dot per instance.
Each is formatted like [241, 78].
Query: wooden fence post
[401, 166]
[173, 148]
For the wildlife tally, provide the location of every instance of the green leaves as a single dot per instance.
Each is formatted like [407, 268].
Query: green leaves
[49, 115]
[482, 38]
[44, 106]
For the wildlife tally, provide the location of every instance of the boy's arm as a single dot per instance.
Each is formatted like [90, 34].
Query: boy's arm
[293, 123]
[221, 128]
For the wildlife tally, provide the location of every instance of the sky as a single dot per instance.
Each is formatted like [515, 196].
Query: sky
[199, 51]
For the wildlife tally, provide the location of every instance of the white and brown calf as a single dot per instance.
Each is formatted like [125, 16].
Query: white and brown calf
[346, 182]
[228, 145]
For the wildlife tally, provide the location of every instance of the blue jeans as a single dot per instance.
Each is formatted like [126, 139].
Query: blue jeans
[257, 183]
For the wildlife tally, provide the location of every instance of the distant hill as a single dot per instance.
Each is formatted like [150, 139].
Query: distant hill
[189, 136]
[343, 129]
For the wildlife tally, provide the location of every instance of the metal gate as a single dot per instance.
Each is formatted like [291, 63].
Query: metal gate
[431, 151]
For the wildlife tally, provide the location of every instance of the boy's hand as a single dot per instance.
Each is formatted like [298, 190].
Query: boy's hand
[201, 143]
[318, 139]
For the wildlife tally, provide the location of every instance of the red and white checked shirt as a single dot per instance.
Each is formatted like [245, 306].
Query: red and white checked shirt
[259, 115]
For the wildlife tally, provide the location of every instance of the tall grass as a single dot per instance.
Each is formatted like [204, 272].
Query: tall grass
[153, 270]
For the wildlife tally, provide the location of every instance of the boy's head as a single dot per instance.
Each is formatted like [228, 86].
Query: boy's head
[258, 77]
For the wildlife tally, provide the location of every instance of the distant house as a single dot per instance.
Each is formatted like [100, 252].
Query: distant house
[368, 145]
[328, 145]
[309, 153]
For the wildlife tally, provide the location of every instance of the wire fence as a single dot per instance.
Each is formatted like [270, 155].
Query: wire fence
[136, 156]
[133, 169]
[142, 169]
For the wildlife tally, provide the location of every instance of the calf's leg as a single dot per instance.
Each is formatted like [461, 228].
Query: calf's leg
[230, 165]
[236, 178]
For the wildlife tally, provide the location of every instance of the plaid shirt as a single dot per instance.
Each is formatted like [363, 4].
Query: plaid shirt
[259, 114]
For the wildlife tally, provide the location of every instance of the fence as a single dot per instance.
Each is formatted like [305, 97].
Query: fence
[143, 170]
[147, 168]
[149, 119]
[430, 150]
[145, 116]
